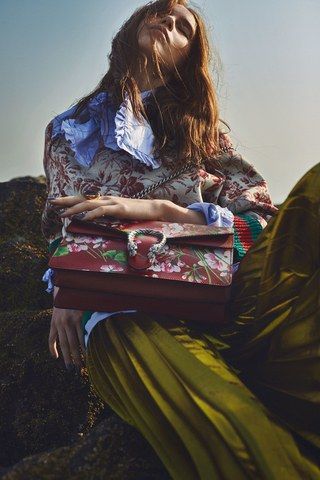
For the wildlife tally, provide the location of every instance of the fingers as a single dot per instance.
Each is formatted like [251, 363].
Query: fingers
[80, 207]
[104, 210]
[87, 205]
[66, 327]
[67, 201]
[124, 208]
[53, 335]
[69, 340]
[94, 210]
[64, 345]
[71, 200]
[73, 344]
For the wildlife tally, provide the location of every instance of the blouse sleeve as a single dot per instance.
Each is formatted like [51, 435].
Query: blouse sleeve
[245, 193]
[51, 223]
[214, 214]
[244, 189]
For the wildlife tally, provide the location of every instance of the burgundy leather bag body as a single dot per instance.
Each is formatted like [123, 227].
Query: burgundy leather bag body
[176, 269]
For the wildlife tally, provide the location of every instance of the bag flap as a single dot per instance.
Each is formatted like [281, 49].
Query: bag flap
[183, 262]
[190, 233]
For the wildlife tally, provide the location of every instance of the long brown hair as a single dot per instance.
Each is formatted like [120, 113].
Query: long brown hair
[183, 113]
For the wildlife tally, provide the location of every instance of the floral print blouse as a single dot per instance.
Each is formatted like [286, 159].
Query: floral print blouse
[111, 152]
[227, 180]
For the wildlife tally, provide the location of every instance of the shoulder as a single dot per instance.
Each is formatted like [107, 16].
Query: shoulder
[92, 108]
[232, 163]
[48, 129]
[225, 142]
[48, 136]
[244, 188]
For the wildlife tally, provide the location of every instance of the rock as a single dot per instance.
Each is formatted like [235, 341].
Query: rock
[113, 450]
[42, 405]
[23, 249]
[52, 423]
[29, 179]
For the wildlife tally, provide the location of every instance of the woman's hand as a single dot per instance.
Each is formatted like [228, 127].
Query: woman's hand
[66, 326]
[127, 208]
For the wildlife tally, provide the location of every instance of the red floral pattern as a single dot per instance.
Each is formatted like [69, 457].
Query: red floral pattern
[178, 261]
[227, 180]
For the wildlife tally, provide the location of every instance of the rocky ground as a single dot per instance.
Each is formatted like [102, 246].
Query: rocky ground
[52, 424]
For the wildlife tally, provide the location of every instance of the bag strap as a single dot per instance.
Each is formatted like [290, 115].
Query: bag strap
[151, 188]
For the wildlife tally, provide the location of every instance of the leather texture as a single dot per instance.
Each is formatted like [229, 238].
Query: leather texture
[189, 277]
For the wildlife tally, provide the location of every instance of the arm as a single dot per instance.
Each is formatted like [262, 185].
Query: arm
[51, 223]
[127, 208]
[244, 190]
[65, 324]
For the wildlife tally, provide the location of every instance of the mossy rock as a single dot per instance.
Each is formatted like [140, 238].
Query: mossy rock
[44, 407]
[52, 424]
[113, 450]
[22, 202]
[41, 405]
[23, 249]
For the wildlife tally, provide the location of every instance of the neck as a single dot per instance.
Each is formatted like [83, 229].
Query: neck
[147, 79]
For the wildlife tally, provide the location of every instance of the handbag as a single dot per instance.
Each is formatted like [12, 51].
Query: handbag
[168, 268]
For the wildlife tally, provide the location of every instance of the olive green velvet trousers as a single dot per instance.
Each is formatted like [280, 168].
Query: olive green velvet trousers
[240, 401]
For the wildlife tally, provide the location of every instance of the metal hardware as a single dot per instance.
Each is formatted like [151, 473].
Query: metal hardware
[153, 250]
[153, 187]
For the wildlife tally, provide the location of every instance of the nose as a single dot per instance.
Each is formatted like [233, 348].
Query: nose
[169, 21]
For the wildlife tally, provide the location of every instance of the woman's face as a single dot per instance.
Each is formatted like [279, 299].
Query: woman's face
[171, 34]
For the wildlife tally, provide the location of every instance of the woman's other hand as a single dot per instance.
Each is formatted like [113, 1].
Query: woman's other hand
[127, 208]
[66, 327]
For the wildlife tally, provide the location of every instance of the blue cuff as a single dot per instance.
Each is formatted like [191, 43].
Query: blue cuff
[214, 214]
[47, 277]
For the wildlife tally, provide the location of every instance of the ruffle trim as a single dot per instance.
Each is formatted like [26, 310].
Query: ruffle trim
[134, 136]
[100, 123]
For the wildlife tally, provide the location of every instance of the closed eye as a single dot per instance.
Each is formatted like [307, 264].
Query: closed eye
[185, 33]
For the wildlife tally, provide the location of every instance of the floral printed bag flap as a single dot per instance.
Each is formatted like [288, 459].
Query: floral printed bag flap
[152, 266]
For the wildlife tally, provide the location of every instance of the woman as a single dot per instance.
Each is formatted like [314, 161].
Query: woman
[236, 402]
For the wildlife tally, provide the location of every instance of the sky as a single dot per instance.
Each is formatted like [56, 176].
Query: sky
[53, 53]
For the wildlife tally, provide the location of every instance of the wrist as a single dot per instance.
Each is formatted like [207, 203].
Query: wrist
[170, 212]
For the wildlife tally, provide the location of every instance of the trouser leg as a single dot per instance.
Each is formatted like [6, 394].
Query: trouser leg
[190, 406]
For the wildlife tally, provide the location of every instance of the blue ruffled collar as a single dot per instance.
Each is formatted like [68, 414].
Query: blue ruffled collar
[117, 129]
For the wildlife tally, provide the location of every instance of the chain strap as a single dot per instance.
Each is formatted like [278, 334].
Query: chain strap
[175, 174]
[153, 187]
